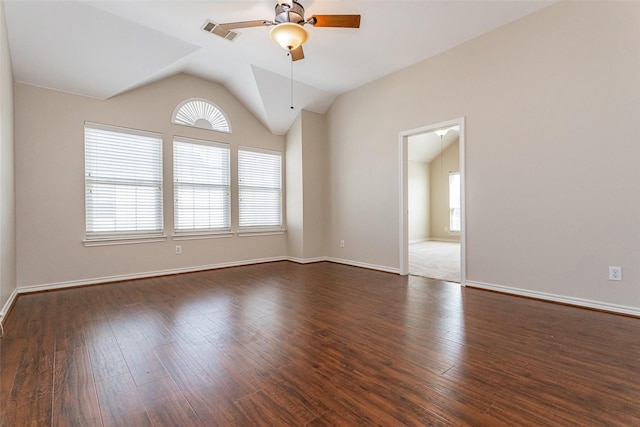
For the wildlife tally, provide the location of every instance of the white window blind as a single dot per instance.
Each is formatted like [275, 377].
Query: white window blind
[201, 186]
[454, 201]
[123, 182]
[259, 188]
[201, 113]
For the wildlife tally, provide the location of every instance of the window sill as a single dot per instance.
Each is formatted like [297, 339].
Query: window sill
[202, 235]
[261, 232]
[110, 241]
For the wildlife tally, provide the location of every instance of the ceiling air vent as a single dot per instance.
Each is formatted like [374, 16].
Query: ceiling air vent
[213, 28]
[231, 36]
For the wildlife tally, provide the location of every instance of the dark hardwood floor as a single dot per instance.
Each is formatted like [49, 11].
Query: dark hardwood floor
[312, 345]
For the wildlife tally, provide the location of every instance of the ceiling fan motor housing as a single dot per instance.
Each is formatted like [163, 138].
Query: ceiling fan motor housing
[289, 13]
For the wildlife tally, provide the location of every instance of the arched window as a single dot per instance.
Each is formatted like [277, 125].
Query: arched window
[200, 113]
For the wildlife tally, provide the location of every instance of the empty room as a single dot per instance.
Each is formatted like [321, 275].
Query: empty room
[224, 213]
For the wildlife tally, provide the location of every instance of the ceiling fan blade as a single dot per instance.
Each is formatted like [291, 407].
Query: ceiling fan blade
[245, 24]
[344, 21]
[297, 54]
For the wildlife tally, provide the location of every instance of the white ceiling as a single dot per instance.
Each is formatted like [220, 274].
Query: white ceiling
[425, 147]
[104, 48]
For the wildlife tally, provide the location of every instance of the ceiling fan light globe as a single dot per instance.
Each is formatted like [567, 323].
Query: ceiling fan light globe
[289, 36]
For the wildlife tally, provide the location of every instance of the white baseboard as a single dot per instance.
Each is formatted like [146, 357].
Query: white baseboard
[579, 302]
[306, 260]
[419, 241]
[8, 304]
[148, 274]
[434, 239]
[364, 265]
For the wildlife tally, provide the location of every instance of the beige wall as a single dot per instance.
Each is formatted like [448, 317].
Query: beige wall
[551, 105]
[295, 190]
[439, 200]
[314, 154]
[419, 205]
[7, 188]
[306, 187]
[50, 182]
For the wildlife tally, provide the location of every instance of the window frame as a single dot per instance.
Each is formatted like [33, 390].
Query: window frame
[137, 234]
[201, 232]
[264, 228]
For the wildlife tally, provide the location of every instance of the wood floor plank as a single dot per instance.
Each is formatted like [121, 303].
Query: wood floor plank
[11, 351]
[320, 395]
[184, 372]
[120, 402]
[244, 369]
[264, 409]
[421, 387]
[29, 401]
[151, 327]
[143, 363]
[215, 362]
[31, 394]
[316, 345]
[166, 405]
[71, 314]
[347, 418]
[278, 352]
[104, 352]
[74, 392]
[214, 408]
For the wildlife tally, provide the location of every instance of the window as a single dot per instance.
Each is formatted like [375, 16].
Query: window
[123, 182]
[202, 114]
[259, 189]
[201, 186]
[454, 201]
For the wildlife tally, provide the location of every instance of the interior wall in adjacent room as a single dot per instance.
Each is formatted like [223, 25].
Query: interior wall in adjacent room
[419, 201]
[439, 168]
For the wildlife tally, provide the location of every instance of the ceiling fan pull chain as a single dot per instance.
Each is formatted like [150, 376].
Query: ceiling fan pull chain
[291, 56]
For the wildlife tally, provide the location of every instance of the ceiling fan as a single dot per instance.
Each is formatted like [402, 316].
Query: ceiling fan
[287, 26]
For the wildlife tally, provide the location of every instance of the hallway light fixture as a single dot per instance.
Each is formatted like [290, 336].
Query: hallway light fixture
[443, 132]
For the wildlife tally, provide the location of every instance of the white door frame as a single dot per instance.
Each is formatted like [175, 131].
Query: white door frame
[404, 193]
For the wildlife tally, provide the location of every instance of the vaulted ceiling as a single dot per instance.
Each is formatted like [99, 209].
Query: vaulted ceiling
[425, 147]
[104, 48]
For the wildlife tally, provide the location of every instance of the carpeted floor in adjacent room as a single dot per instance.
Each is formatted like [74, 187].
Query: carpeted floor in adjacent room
[436, 260]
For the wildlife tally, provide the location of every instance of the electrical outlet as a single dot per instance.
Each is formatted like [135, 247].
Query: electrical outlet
[178, 249]
[615, 273]
[342, 243]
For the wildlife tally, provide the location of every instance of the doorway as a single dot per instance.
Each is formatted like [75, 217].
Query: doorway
[432, 226]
